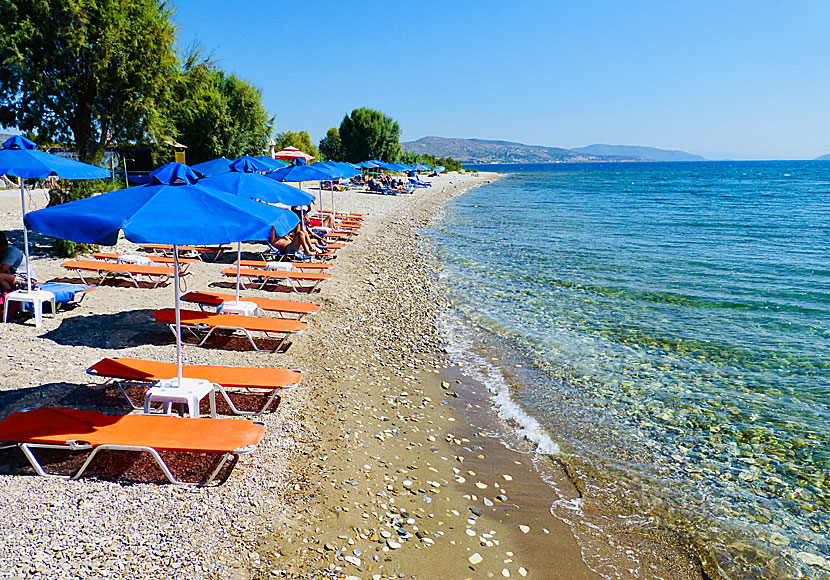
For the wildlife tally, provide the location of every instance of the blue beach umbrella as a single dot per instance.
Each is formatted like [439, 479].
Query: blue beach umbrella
[171, 209]
[342, 170]
[246, 163]
[274, 163]
[301, 173]
[212, 167]
[256, 186]
[20, 158]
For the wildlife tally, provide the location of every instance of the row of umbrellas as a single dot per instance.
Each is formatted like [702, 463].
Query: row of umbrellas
[174, 208]
[216, 202]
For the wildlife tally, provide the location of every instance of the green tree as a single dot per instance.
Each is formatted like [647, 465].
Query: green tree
[89, 71]
[214, 114]
[369, 134]
[301, 141]
[331, 148]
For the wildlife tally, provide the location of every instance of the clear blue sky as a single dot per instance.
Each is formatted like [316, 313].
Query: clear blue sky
[741, 77]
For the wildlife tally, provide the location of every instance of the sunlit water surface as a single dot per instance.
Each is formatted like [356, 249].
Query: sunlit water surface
[683, 309]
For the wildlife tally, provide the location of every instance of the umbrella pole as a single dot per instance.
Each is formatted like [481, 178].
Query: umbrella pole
[238, 268]
[178, 314]
[25, 237]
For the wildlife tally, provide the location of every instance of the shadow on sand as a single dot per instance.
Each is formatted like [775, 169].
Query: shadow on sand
[118, 330]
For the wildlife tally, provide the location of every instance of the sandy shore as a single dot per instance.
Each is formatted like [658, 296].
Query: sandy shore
[383, 463]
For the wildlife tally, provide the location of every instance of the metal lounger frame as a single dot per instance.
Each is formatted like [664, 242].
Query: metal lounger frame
[194, 327]
[224, 392]
[295, 286]
[104, 274]
[83, 446]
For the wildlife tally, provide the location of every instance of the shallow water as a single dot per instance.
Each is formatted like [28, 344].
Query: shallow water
[677, 319]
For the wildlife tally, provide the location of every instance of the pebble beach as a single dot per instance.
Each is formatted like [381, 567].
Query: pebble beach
[374, 467]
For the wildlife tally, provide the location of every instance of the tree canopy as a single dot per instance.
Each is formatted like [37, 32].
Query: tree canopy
[89, 71]
[301, 141]
[369, 134]
[216, 114]
[331, 147]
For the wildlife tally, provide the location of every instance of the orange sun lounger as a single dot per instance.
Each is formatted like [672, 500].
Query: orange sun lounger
[155, 274]
[212, 253]
[297, 265]
[269, 304]
[264, 277]
[195, 321]
[74, 430]
[248, 380]
[184, 263]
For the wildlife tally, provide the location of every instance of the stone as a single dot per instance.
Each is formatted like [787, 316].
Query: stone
[475, 559]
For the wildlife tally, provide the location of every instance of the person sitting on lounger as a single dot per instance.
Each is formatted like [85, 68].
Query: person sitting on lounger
[305, 222]
[295, 242]
[12, 266]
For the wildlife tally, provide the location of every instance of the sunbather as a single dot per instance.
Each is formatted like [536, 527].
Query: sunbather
[12, 266]
[296, 241]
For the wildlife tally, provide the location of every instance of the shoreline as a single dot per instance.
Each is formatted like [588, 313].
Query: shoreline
[373, 455]
[336, 529]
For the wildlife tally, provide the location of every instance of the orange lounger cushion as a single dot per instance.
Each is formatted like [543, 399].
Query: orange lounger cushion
[197, 320]
[216, 298]
[266, 276]
[299, 265]
[243, 381]
[156, 274]
[255, 323]
[101, 266]
[132, 369]
[262, 273]
[73, 429]
[157, 259]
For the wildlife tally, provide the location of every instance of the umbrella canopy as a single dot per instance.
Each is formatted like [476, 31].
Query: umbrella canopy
[20, 158]
[248, 164]
[213, 167]
[439, 169]
[303, 173]
[274, 163]
[422, 167]
[290, 153]
[172, 209]
[256, 186]
[342, 170]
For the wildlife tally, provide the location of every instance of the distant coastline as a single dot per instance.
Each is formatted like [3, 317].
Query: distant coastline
[478, 151]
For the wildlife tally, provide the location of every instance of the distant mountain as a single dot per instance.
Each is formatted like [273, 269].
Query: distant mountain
[823, 158]
[644, 153]
[484, 151]
[489, 151]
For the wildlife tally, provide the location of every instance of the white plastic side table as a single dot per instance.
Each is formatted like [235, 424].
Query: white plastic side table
[132, 259]
[35, 297]
[241, 307]
[190, 393]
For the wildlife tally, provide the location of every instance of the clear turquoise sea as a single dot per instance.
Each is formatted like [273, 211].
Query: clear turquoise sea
[672, 321]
